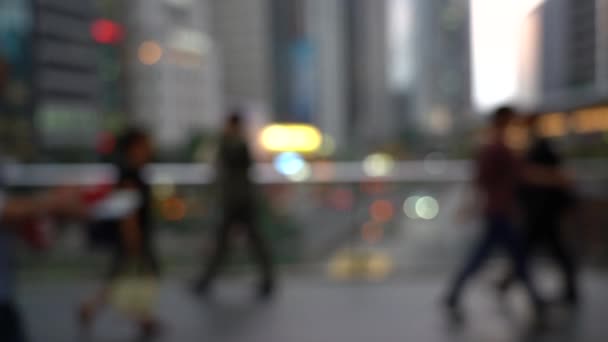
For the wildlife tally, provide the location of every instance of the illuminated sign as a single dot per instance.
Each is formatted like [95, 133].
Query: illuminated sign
[291, 138]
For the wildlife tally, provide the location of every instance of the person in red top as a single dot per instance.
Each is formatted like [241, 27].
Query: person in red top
[498, 173]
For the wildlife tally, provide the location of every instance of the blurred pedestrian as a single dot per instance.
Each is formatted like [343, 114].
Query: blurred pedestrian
[238, 209]
[545, 195]
[497, 176]
[133, 245]
[14, 213]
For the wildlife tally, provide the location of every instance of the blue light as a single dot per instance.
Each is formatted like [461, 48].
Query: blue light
[289, 163]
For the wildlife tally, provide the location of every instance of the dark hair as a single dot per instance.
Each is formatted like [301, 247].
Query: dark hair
[130, 137]
[235, 118]
[502, 115]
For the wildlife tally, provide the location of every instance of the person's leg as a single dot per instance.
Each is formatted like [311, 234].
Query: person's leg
[531, 243]
[565, 261]
[90, 306]
[11, 326]
[221, 250]
[260, 251]
[479, 255]
[262, 254]
[516, 251]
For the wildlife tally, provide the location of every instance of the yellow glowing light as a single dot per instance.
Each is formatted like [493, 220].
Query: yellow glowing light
[163, 191]
[291, 138]
[378, 165]
[364, 264]
[379, 266]
[341, 266]
[553, 125]
[328, 146]
[591, 120]
[149, 52]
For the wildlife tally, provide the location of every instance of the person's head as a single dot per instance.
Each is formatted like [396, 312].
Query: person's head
[501, 118]
[234, 124]
[136, 148]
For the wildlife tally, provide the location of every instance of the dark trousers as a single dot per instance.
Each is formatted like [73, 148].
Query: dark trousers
[11, 327]
[542, 231]
[499, 233]
[243, 218]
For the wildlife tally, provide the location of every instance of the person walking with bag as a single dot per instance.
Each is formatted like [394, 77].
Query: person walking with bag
[134, 260]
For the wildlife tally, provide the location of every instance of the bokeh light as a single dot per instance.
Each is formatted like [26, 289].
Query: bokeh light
[303, 174]
[164, 188]
[372, 232]
[174, 209]
[106, 31]
[328, 146]
[379, 266]
[427, 207]
[382, 211]
[341, 199]
[289, 163]
[553, 125]
[291, 138]
[409, 207]
[149, 52]
[378, 165]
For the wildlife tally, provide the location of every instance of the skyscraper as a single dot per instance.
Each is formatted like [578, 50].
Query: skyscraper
[322, 62]
[573, 58]
[242, 32]
[66, 80]
[172, 67]
[442, 80]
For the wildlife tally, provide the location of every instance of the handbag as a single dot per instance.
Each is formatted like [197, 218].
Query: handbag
[134, 292]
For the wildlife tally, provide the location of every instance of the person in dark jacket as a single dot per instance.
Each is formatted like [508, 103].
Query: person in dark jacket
[543, 205]
[238, 211]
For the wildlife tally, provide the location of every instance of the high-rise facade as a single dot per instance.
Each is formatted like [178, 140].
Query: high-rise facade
[242, 31]
[573, 62]
[67, 84]
[321, 62]
[441, 92]
[370, 114]
[174, 85]
[602, 41]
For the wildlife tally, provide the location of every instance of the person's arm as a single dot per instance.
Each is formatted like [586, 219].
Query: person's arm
[546, 176]
[131, 234]
[130, 230]
[21, 208]
[544, 167]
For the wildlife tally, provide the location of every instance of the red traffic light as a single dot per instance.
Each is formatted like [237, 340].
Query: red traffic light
[105, 31]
